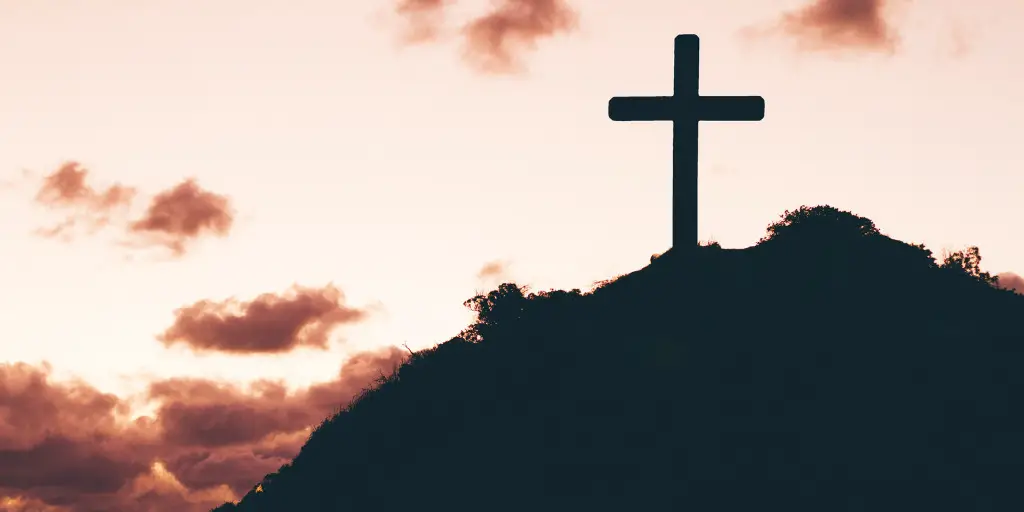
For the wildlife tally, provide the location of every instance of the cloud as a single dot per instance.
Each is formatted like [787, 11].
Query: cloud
[493, 273]
[23, 504]
[67, 186]
[237, 467]
[173, 219]
[839, 24]
[203, 413]
[68, 447]
[226, 434]
[1011, 281]
[357, 372]
[67, 190]
[495, 41]
[270, 323]
[492, 269]
[264, 417]
[159, 490]
[60, 442]
[424, 19]
[182, 214]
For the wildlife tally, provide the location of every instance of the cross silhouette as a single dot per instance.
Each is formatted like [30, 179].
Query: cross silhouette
[685, 108]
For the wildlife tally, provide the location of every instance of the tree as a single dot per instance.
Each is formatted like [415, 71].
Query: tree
[820, 220]
[968, 262]
[499, 307]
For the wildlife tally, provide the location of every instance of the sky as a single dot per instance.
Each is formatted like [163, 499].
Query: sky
[220, 220]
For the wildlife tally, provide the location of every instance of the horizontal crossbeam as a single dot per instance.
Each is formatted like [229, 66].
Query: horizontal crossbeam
[668, 108]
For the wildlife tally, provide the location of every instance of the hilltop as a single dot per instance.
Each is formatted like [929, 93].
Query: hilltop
[827, 368]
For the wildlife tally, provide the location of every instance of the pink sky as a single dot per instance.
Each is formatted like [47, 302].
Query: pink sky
[392, 174]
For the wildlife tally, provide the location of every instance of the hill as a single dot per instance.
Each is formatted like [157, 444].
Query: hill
[827, 368]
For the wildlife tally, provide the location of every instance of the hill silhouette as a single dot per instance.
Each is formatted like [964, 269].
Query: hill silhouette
[827, 368]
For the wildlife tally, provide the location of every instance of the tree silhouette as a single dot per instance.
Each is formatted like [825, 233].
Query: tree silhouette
[967, 262]
[824, 220]
[495, 310]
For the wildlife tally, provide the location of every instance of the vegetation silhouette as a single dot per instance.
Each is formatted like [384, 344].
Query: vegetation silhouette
[827, 368]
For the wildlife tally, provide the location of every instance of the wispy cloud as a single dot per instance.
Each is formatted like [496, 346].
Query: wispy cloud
[829, 25]
[493, 273]
[495, 41]
[174, 219]
[68, 191]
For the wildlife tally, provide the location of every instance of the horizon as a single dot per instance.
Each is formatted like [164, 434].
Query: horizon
[359, 189]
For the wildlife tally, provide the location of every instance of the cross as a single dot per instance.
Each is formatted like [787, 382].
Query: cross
[685, 108]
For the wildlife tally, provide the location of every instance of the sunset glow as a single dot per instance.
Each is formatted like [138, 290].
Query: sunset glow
[222, 220]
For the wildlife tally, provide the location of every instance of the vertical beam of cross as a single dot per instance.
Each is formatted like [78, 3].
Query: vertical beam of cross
[685, 108]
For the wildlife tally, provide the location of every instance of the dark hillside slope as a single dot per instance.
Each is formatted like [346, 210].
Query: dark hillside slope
[828, 368]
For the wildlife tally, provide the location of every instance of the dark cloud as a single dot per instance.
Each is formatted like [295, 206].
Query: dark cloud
[23, 504]
[493, 42]
[1011, 281]
[229, 435]
[203, 413]
[182, 214]
[64, 443]
[842, 23]
[68, 191]
[239, 467]
[68, 447]
[270, 323]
